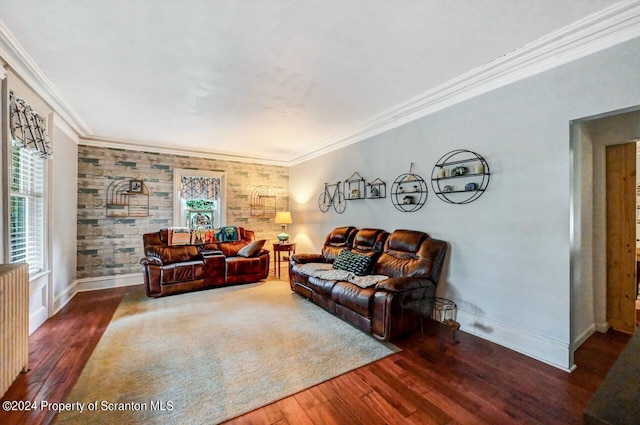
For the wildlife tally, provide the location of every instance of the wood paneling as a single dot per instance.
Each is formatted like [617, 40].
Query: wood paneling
[432, 381]
[621, 236]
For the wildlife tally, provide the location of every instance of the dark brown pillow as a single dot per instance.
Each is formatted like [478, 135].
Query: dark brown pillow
[252, 249]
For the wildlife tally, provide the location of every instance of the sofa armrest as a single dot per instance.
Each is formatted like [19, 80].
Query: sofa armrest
[308, 258]
[400, 284]
[151, 261]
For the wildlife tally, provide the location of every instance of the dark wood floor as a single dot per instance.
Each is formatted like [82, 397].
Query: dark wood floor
[432, 381]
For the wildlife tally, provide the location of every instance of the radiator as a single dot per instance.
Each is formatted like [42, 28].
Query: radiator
[14, 323]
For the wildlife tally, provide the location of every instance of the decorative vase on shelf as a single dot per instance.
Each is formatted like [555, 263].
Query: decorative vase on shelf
[479, 169]
[458, 171]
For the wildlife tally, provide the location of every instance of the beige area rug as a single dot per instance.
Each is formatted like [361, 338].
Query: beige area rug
[206, 357]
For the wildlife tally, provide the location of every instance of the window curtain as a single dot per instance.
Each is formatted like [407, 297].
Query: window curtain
[28, 128]
[200, 188]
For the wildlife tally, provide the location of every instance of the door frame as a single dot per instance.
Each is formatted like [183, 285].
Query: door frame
[587, 226]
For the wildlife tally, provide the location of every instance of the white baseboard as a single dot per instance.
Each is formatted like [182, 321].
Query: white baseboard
[602, 327]
[107, 282]
[95, 284]
[37, 318]
[546, 350]
[584, 336]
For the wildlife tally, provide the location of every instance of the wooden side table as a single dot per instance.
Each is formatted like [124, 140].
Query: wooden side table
[290, 248]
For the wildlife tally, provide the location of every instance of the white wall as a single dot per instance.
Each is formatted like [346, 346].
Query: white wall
[64, 215]
[510, 250]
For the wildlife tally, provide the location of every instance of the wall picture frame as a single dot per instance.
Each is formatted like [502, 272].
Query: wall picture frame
[136, 186]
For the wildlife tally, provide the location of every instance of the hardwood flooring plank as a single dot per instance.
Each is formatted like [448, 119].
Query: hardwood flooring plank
[433, 380]
[293, 412]
[355, 402]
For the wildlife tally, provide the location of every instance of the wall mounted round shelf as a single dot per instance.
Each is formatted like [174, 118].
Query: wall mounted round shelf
[409, 192]
[460, 177]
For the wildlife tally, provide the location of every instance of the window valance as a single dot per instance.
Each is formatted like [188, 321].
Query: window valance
[28, 128]
[200, 188]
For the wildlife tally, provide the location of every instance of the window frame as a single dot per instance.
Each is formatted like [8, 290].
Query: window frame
[35, 200]
[179, 207]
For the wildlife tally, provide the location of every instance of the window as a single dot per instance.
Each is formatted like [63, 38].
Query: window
[26, 226]
[204, 205]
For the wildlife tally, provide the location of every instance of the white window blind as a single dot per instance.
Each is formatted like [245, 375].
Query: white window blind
[27, 209]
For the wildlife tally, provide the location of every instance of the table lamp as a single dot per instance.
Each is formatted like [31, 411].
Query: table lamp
[284, 218]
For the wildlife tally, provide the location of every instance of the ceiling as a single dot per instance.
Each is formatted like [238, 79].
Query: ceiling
[263, 79]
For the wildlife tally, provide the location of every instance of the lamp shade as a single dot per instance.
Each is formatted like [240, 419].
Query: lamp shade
[283, 217]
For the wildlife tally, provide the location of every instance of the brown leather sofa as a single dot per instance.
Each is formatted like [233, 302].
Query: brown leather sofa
[169, 270]
[412, 261]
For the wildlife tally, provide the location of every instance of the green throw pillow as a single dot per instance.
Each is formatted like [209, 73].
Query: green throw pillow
[354, 263]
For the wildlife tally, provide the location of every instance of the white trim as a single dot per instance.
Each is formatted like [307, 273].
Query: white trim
[64, 297]
[18, 59]
[609, 27]
[178, 173]
[602, 327]
[583, 337]
[105, 142]
[3, 70]
[64, 126]
[95, 284]
[37, 318]
[547, 350]
[108, 282]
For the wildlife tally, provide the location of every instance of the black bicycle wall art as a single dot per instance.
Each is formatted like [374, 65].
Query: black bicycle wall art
[332, 196]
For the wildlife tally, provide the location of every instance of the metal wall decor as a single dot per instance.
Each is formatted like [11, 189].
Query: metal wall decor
[127, 197]
[354, 187]
[376, 189]
[409, 192]
[460, 177]
[332, 196]
[263, 201]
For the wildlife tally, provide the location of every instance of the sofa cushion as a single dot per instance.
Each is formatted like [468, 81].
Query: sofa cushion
[369, 241]
[182, 272]
[353, 297]
[252, 249]
[172, 254]
[242, 266]
[339, 238]
[405, 241]
[355, 263]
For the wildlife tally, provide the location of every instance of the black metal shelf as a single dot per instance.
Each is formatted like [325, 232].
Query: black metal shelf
[451, 161]
[461, 161]
[410, 200]
[459, 177]
[377, 189]
[354, 187]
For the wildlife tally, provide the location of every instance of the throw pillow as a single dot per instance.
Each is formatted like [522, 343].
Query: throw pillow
[252, 249]
[351, 262]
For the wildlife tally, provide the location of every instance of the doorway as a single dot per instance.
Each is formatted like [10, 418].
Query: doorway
[588, 219]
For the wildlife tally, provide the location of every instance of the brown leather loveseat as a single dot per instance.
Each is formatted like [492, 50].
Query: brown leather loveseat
[407, 263]
[169, 270]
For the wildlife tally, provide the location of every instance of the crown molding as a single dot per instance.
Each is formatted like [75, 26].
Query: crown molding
[3, 70]
[607, 28]
[12, 52]
[105, 142]
[62, 124]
